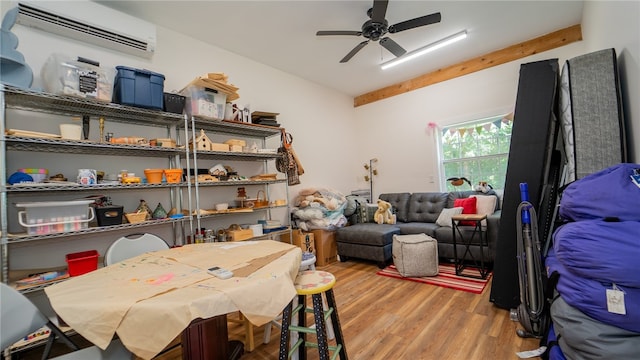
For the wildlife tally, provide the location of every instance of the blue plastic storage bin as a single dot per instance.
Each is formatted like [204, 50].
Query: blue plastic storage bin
[141, 88]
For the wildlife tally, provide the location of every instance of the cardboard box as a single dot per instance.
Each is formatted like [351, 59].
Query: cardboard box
[239, 235]
[326, 248]
[304, 240]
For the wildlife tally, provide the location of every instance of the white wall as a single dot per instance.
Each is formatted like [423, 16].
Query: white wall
[397, 127]
[616, 24]
[408, 158]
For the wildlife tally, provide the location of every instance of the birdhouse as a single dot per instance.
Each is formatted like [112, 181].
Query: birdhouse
[202, 142]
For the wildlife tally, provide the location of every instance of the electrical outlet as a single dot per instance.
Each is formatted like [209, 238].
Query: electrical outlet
[431, 179]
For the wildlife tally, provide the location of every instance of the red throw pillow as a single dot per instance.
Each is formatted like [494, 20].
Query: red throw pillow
[468, 206]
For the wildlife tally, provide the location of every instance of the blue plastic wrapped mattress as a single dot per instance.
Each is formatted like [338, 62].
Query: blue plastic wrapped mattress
[604, 251]
[589, 296]
[605, 194]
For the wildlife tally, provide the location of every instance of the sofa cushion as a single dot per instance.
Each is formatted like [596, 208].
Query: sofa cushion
[445, 235]
[426, 207]
[367, 234]
[400, 204]
[417, 228]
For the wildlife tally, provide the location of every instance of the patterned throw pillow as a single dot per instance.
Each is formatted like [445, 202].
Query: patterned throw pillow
[367, 212]
[444, 219]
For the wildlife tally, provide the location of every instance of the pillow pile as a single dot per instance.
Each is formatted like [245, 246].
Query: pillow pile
[468, 207]
[444, 219]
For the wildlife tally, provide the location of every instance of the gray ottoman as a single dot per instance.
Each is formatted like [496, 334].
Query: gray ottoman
[369, 241]
[415, 255]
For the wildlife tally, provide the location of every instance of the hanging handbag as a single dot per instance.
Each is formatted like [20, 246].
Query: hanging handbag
[286, 162]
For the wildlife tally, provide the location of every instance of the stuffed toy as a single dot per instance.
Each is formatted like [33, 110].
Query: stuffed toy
[383, 215]
[483, 187]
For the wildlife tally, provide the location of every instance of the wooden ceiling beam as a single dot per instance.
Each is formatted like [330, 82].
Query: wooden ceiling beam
[514, 52]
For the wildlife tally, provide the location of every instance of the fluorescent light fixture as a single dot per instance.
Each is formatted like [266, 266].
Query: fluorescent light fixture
[425, 49]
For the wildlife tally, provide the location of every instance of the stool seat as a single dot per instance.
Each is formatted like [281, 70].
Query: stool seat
[315, 283]
[311, 282]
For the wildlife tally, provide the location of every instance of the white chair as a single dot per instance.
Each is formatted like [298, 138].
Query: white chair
[20, 317]
[133, 245]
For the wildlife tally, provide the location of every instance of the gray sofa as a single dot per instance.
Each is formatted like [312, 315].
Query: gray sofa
[415, 213]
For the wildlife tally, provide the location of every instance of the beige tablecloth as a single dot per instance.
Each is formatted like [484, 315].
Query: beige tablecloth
[149, 299]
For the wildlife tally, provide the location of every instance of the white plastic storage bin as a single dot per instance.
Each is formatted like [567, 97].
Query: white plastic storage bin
[46, 217]
[205, 102]
[82, 78]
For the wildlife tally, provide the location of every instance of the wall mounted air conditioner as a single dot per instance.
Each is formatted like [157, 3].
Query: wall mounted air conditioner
[90, 22]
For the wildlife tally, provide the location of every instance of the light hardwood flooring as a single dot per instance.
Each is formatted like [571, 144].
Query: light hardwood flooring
[386, 318]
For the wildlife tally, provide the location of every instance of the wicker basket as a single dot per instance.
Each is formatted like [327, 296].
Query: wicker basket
[136, 217]
[259, 202]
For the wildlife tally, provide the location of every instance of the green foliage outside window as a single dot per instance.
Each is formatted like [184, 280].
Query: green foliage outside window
[477, 151]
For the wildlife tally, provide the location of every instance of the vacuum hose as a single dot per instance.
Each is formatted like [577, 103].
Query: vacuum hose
[529, 268]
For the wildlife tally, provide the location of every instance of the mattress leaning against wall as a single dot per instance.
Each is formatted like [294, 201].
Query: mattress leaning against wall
[592, 113]
[532, 140]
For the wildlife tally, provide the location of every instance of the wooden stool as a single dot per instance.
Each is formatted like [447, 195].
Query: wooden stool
[314, 283]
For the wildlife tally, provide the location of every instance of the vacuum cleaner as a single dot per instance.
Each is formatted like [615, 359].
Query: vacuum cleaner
[530, 313]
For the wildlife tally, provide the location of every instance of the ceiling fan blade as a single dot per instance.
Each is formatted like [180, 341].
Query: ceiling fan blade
[339, 32]
[379, 10]
[354, 51]
[392, 46]
[417, 22]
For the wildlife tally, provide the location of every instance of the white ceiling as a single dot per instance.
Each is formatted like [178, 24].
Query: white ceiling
[281, 34]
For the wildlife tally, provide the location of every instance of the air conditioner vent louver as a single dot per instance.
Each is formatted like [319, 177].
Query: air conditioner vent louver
[59, 24]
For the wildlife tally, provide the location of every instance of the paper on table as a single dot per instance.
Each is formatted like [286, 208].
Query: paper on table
[261, 297]
[148, 300]
[114, 289]
[219, 254]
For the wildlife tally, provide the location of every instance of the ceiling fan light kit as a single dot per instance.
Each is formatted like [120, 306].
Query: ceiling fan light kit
[377, 27]
[425, 49]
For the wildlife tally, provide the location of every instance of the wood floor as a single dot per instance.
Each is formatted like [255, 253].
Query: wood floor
[386, 318]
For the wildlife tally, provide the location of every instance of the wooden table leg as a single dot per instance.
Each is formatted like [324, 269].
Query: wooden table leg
[206, 339]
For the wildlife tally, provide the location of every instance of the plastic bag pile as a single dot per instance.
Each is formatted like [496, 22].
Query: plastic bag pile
[318, 208]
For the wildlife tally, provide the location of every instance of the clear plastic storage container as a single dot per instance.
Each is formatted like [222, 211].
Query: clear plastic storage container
[46, 217]
[205, 102]
[82, 78]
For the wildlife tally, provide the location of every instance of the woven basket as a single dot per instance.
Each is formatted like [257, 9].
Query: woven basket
[260, 201]
[137, 217]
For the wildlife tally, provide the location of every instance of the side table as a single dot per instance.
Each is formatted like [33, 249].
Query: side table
[463, 262]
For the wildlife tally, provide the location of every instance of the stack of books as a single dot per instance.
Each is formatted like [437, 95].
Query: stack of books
[264, 118]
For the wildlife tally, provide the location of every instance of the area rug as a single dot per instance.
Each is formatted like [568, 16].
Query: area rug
[446, 278]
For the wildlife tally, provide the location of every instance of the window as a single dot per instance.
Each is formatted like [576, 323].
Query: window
[477, 151]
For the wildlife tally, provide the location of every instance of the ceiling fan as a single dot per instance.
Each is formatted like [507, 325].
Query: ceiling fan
[377, 27]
